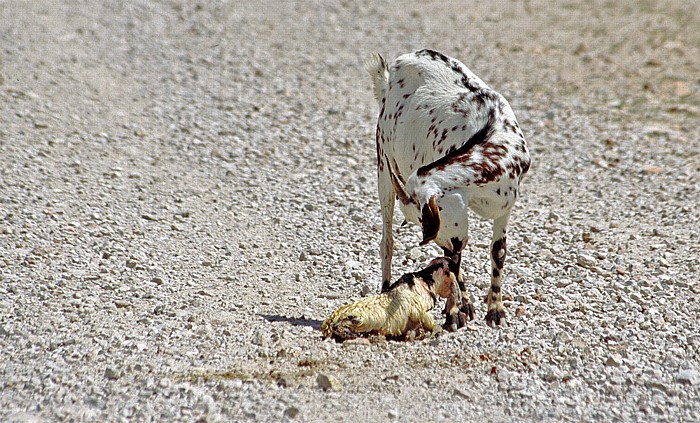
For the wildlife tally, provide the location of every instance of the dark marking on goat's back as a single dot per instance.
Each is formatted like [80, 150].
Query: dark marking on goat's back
[480, 137]
[434, 55]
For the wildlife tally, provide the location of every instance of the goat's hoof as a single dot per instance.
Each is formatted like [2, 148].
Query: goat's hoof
[495, 317]
[468, 309]
[453, 322]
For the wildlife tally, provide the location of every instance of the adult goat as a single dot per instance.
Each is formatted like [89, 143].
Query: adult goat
[460, 146]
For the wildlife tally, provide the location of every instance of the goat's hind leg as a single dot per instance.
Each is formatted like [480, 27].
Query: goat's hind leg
[496, 313]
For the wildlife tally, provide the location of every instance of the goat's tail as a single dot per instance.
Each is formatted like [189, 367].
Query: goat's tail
[377, 69]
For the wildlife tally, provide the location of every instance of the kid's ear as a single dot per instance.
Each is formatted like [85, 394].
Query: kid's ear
[430, 221]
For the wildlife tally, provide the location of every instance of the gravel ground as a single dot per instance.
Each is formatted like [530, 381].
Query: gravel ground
[188, 189]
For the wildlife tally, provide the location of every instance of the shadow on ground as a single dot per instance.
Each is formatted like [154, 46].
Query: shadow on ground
[294, 321]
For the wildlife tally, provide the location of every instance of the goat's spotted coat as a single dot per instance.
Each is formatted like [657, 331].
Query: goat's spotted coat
[446, 142]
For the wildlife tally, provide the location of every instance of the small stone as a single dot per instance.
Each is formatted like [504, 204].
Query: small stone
[356, 341]
[327, 382]
[553, 375]
[654, 384]
[688, 377]
[581, 49]
[393, 414]
[587, 261]
[503, 375]
[563, 282]
[460, 394]
[291, 412]
[122, 304]
[519, 311]
[111, 374]
[259, 339]
[157, 280]
[365, 290]
[653, 170]
[682, 89]
[614, 360]
[131, 263]
[106, 255]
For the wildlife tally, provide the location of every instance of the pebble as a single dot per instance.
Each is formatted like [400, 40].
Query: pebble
[362, 341]
[366, 290]
[460, 394]
[688, 377]
[260, 339]
[503, 375]
[291, 412]
[614, 360]
[587, 261]
[112, 374]
[327, 382]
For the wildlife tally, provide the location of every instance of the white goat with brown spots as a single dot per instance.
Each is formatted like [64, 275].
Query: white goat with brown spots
[446, 142]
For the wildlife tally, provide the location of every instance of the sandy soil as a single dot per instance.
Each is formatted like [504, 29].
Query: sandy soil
[187, 189]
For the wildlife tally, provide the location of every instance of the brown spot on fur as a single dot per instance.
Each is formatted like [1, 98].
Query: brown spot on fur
[480, 137]
[498, 252]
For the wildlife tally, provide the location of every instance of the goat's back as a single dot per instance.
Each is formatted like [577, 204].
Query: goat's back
[433, 105]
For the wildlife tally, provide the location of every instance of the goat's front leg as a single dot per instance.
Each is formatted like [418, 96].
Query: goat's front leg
[455, 318]
[386, 248]
[495, 313]
[458, 308]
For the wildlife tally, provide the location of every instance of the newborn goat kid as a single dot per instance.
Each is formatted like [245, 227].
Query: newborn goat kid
[404, 307]
[446, 142]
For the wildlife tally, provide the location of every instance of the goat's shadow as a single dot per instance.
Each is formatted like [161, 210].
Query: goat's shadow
[294, 321]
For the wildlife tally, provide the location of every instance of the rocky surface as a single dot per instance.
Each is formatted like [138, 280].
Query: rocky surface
[188, 189]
